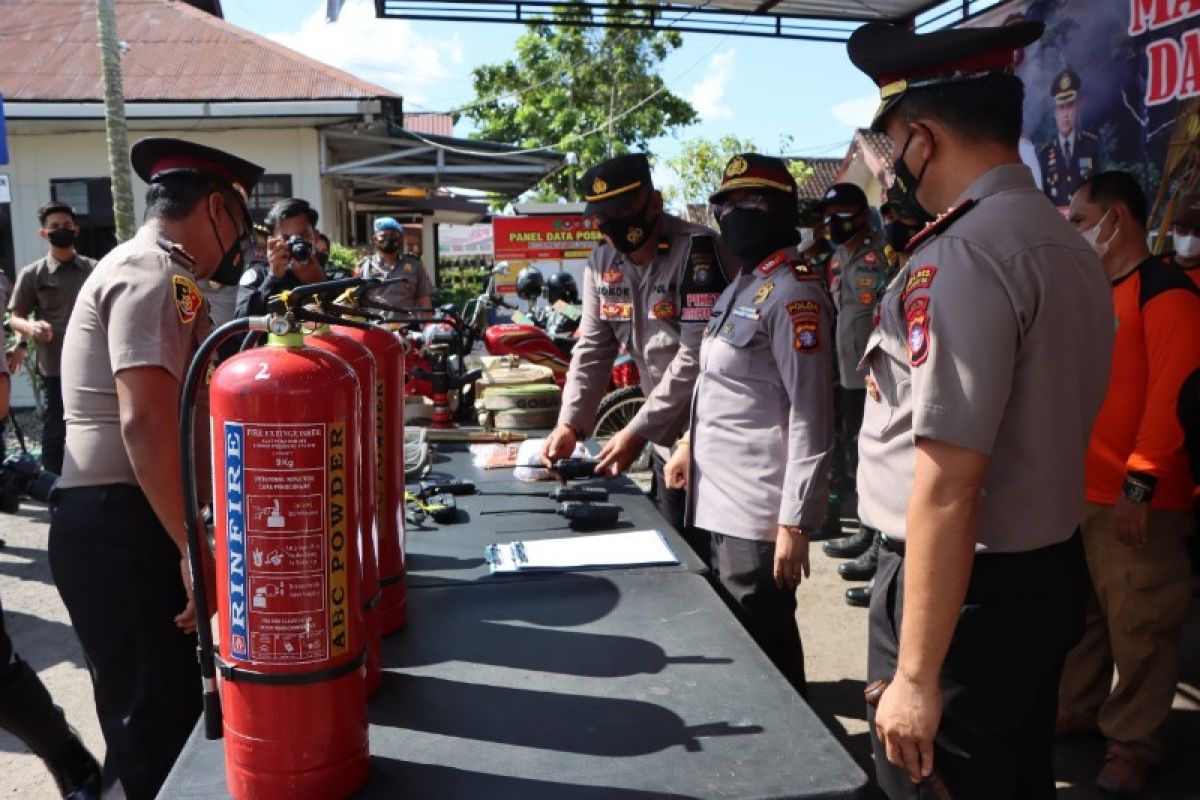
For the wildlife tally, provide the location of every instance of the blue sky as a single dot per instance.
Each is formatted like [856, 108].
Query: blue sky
[762, 89]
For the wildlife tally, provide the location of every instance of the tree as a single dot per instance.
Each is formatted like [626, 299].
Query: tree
[114, 119]
[700, 166]
[592, 92]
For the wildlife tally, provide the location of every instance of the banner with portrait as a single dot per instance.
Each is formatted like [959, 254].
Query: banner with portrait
[1113, 84]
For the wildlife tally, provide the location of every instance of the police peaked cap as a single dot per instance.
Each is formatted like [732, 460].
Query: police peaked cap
[843, 194]
[754, 171]
[611, 184]
[158, 157]
[900, 61]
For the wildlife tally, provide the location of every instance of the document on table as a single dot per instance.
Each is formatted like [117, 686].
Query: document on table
[602, 551]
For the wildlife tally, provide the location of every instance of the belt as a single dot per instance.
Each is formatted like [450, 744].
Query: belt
[892, 545]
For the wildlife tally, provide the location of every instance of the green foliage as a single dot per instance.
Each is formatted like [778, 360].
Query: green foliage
[700, 166]
[581, 77]
[342, 257]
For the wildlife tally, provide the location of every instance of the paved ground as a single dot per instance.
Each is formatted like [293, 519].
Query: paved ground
[834, 641]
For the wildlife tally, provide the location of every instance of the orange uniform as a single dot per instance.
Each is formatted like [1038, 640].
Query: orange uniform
[1157, 347]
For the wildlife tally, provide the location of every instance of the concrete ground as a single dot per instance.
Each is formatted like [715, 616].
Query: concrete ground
[834, 642]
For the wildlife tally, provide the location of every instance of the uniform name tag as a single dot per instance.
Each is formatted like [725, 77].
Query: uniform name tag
[616, 311]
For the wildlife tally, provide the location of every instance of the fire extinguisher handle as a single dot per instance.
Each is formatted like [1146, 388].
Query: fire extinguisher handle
[212, 715]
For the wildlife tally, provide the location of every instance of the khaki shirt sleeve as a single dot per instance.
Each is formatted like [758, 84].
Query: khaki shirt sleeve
[24, 296]
[591, 359]
[799, 326]
[424, 284]
[962, 345]
[147, 325]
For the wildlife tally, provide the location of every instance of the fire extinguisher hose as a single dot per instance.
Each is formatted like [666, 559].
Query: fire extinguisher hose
[196, 538]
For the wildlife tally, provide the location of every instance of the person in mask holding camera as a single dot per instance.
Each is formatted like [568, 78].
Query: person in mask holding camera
[42, 299]
[858, 275]
[292, 257]
[650, 288]
[118, 551]
[756, 457]
[409, 287]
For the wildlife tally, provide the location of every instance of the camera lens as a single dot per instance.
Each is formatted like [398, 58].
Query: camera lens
[300, 249]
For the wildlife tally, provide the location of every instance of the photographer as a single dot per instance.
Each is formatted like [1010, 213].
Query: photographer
[292, 257]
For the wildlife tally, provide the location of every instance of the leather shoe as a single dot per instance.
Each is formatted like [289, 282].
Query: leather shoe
[859, 596]
[851, 546]
[863, 567]
[75, 771]
[1123, 775]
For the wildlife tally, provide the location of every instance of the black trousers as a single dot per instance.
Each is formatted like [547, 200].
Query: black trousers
[672, 504]
[54, 428]
[118, 573]
[26, 710]
[744, 570]
[1023, 612]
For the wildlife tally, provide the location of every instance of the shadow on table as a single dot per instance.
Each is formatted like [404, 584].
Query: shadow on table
[844, 698]
[407, 779]
[599, 726]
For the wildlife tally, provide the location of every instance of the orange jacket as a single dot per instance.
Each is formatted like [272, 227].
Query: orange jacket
[1157, 347]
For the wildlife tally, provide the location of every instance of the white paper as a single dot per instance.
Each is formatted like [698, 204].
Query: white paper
[624, 549]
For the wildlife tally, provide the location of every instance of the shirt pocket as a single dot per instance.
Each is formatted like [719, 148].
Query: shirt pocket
[49, 298]
[733, 354]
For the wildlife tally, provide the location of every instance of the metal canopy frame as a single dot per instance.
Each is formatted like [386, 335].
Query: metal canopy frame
[380, 161]
[783, 19]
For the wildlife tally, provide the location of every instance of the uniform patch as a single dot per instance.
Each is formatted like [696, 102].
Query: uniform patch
[702, 273]
[249, 278]
[866, 282]
[871, 258]
[698, 307]
[873, 389]
[920, 278]
[664, 309]
[616, 311]
[763, 293]
[635, 235]
[866, 298]
[805, 316]
[918, 338]
[612, 276]
[188, 299]
[918, 305]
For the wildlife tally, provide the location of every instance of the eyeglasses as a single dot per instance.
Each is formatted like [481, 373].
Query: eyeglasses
[747, 202]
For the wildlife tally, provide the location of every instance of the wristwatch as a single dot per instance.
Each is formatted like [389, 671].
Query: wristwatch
[1138, 487]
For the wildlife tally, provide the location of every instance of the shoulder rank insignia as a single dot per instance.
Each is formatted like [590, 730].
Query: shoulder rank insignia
[941, 223]
[180, 256]
[188, 299]
[771, 264]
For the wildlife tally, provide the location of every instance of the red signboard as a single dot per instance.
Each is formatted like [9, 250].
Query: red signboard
[558, 236]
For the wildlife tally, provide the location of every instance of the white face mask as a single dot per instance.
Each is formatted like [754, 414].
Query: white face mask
[1092, 236]
[1187, 246]
[807, 237]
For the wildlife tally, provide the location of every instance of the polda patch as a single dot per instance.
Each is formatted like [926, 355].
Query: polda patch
[188, 299]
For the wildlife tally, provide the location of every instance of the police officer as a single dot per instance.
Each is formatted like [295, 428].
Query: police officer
[291, 221]
[972, 468]
[756, 456]
[413, 288]
[26, 709]
[117, 543]
[858, 272]
[46, 289]
[1072, 155]
[650, 288]
[814, 247]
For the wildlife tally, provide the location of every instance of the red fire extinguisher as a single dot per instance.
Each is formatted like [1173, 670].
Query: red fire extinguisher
[363, 364]
[389, 437]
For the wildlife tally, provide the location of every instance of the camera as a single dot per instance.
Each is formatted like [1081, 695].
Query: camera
[300, 249]
[21, 476]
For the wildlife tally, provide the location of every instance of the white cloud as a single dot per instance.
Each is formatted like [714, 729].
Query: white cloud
[707, 95]
[856, 113]
[383, 51]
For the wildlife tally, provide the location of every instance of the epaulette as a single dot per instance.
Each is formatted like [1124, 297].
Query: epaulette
[773, 263]
[804, 272]
[180, 256]
[940, 224]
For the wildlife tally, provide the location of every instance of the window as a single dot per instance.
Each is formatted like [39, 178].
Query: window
[93, 203]
[269, 190]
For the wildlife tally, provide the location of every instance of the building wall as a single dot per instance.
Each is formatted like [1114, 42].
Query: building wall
[36, 158]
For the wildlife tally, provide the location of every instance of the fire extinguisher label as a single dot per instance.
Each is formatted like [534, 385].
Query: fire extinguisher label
[277, 482]
[339, 623]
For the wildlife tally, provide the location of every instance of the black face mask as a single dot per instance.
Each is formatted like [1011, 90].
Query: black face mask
[389, 246]
[752, 234]
[904, 189]
[61, 237]
[841, 227]
[629, 234]
[233, 259]
[899, 233]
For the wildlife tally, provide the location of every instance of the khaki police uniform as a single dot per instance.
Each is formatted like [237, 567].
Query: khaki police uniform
[46, 290]
[858, 280]
[413, 282]
[657, 313]
[762, 439]
[996, 337]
